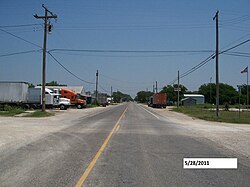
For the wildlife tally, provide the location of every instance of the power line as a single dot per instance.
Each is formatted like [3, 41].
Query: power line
[20, 38]
[14, 26]
[107, 77]
[209, 58]
[69, 70]
[197, 66]
[238, 55]
[103, 88]
[19, 53]
[235, 46]
[130, 51]
[137, 27]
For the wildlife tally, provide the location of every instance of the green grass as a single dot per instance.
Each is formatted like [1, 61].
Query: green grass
[39, 114]
[10, 111]
[92, 106]
[207, 112]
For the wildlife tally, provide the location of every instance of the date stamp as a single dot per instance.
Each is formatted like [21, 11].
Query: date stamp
[210, 163]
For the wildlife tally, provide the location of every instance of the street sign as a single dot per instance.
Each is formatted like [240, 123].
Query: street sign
[176, 89]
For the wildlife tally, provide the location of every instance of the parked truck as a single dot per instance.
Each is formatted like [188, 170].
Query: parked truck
[19, 93]
[102, 99]
[158, 100]
[74, 98]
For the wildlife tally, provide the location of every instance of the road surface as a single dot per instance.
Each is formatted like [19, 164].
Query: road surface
[126, 145]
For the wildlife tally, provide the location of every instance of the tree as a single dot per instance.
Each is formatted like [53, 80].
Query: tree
[171, 94]
[31, 85]
[121, 97]
[143, 96]
[52, 83]
[228, 94]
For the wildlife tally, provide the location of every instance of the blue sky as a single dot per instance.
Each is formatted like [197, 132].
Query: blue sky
[125, 25]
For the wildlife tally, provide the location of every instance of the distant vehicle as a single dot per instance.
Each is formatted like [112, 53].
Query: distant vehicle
[74, 99]
[18, 93]
[158, 100]
[103, 99]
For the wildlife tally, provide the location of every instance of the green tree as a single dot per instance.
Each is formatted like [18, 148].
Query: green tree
[31, 85]
[143, 96]
[228, 94]
[121, 97]
[171, 94]
[52, 83]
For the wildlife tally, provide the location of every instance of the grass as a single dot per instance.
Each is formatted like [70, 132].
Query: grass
[10, 111]
[39, 114]
[91, 106]
[207, 112]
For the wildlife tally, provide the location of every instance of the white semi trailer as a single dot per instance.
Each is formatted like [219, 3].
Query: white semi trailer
[18, 93]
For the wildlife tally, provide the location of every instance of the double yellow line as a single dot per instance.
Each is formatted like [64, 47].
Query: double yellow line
[94, 160]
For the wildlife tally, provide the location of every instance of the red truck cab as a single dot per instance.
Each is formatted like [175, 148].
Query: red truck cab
[74, 100]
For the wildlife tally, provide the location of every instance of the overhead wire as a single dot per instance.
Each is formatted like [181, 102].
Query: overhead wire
[19, 53]
[14, 26]
[209, 58]
[20, 38]
[129, 51]
[70, 72]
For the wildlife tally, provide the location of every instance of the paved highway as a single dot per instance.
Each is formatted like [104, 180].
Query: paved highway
[125, 145]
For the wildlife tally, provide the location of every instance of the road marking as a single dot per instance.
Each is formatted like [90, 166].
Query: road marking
[93, 162]
[150, 112]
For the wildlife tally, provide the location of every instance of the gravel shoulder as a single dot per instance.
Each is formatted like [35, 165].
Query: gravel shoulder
[18, 131]
[235, 137]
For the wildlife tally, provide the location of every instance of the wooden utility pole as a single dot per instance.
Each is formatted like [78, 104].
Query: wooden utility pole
[216, 18]
[96, 88]
[111, 94]
[45, 18]
[178, 92]
[156, 87]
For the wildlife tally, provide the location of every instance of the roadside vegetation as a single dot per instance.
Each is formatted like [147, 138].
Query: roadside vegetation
[207, 112]
[92, 106]
[38, 114]
[10, 111]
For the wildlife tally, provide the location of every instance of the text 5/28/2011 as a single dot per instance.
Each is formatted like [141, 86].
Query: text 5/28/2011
[210, 163]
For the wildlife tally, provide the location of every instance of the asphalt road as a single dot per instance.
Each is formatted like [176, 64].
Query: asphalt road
[118, 147]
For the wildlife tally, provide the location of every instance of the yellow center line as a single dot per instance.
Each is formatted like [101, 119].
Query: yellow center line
[94, 160]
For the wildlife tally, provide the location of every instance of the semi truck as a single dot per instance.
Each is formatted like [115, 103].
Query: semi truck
[158, 100]
[19, 94]
[102, 99]
[74, 98]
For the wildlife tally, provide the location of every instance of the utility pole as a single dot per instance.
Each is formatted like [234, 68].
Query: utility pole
[216, 18]
[111, 94]
[210, 90]
[239, 90]
[156, 88]
[96, 87]
[153, 88]
[45, 18]
[178, 92]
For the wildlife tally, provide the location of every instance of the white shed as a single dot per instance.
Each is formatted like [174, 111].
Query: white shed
[200, 99]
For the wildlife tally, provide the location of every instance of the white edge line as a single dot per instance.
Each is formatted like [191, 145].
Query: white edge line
[149, 112]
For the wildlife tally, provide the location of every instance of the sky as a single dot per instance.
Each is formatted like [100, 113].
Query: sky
[132, 43]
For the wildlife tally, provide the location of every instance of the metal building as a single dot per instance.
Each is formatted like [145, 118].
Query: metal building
[193, 99]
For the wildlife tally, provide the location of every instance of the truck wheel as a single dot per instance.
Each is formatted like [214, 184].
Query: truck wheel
[63, 107]
[79, 106]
